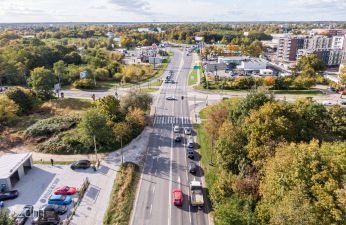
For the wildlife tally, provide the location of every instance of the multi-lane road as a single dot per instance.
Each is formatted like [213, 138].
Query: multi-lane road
[165, 166]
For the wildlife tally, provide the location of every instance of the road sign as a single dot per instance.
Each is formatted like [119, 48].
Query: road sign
[197, 67]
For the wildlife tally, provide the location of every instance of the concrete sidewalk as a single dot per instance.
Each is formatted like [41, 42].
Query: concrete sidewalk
[95, 202]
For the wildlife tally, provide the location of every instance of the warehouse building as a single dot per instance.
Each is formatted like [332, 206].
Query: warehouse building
[12, 168]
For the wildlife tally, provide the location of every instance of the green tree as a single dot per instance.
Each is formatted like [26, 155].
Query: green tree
[42, 80]
[123, 132]
[136, 99]
[5, 218]
[94, 123]
[8, 109]
[109, 106]
[23, 98]
[59, 70]
[136, 119]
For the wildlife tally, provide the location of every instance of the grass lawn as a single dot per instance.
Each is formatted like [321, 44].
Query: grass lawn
[192, 77]
[299, 92]
[149, 90]
[123, 195]
[156, 83]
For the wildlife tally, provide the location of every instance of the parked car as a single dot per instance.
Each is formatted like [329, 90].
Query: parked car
[176, 129]
[59, 200]
[65, 190]
[343, 102]
[81, 164]
[178, 138]
[178, 198]
[190, 143]
[187, 131]
[190, 153]
[192, 167]
[46, 216]
[59, 209]
[8, 195]
[327, 103]
[24, 215]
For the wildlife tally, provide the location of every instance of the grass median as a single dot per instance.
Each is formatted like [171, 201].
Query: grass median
[193, 77]
[123, 195]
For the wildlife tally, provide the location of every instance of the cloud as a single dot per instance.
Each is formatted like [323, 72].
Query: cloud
[323, 6]
[135, 6]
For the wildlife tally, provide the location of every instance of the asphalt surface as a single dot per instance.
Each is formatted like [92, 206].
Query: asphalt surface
[165, 166]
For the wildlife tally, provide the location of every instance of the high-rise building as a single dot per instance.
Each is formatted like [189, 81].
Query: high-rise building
[339, 42]
[317, 42]
[288, 47]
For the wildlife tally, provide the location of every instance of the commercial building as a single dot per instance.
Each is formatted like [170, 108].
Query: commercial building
[266, 72]
[252, 65]
[12, 168]
[235, 60]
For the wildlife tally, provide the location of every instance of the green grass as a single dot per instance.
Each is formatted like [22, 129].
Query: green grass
[149, 90]
[156, 83]
[205, 151]
[299, 92]
[123, 195]
[193, 77]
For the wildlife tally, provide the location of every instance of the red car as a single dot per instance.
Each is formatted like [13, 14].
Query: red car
[65, 190]
[177, 197]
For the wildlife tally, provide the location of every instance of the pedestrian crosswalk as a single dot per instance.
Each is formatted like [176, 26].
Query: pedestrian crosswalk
[172, 120]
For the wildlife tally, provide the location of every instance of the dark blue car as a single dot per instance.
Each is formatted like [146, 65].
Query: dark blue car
[59, 200]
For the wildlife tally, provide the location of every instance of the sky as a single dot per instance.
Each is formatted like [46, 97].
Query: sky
[170, 10]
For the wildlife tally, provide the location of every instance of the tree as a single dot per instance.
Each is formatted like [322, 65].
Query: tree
[136, 119]
[310, 64]
[8, 109]
[109, 106]
[42, 80]
[23, 98]
[230, 147]
[136, 99]
[101, 74]
[94, 123]
[59, 70]
[337, 122]
[123, 132]
[300, 185]
[5, 218]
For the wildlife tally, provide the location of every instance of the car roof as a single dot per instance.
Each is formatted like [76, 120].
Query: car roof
[83, 160]
[55, 197]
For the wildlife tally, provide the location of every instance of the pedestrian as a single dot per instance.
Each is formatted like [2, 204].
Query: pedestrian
[93, 97]
[2, 205]
[62, 95]
[52, 162]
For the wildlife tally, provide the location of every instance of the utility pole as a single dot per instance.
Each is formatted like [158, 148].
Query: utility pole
[95, 149]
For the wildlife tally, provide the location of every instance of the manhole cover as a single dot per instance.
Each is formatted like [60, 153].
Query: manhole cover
[43, 200]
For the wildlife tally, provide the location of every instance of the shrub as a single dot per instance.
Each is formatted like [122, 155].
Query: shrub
[5, 218]
[84, 84]
[23, 98]
[50, 126]
[8, 109]
[136, 99]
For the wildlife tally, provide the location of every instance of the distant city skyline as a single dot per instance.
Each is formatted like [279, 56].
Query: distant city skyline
[23, 11]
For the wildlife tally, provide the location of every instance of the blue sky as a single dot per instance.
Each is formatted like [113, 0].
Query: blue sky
[170, 10]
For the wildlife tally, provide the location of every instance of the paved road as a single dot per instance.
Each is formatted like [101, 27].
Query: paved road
[166, 163]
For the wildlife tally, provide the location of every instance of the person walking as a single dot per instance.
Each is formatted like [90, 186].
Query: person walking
[52, 162]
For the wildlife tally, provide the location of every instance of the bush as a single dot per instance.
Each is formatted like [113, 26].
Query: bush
[136, 99]
[5, 218]
[66, 143]
[50, 126]
[23, 98]
[84, 84]
[8, 109]
[124, 191]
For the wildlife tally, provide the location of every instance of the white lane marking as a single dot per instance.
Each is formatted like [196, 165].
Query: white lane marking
[170, 180]
[151, 208]
[190, 213]
[154, 189]
[179, 182]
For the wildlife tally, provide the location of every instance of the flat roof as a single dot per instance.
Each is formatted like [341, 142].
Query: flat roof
[10, 163]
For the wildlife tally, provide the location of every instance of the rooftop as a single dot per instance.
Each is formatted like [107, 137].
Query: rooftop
[10, 163]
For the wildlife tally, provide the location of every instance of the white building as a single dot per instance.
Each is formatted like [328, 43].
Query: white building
[266, 72]
[12, 168]
[339, 42]
[252, 65]
[317, 42]
[336, 57]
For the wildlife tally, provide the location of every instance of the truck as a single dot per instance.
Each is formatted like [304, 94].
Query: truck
[196, 192]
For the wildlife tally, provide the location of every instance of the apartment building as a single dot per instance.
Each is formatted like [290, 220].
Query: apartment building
[317, 42]
[339, 42]
[288, 47]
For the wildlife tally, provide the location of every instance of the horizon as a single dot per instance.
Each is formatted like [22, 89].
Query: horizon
[43, 11]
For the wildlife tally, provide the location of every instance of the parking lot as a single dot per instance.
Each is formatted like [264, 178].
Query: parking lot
[38, 185]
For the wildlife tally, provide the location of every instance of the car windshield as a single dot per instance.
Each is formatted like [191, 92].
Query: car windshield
[66, 188]
[62, 198]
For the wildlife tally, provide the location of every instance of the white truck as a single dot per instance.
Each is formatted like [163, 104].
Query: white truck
[196, 192]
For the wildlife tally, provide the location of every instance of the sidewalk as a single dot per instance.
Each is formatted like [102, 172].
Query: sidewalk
[92, 210]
